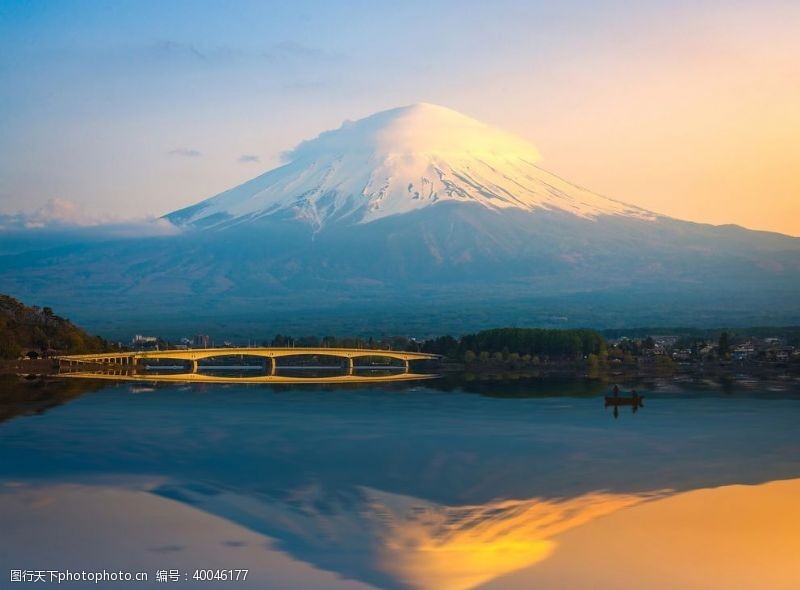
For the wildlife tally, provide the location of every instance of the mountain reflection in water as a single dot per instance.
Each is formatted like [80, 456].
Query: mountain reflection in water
[406, 487]
[396, 541]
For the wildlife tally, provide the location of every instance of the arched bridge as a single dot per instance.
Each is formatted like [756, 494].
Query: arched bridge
[194, 355]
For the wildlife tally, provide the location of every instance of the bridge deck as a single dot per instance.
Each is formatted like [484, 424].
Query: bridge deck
[195, 354]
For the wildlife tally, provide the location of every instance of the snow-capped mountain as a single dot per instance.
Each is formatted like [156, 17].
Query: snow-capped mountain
[398, 161]
[418, 220]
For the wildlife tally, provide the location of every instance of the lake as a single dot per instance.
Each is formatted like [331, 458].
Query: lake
[448, 484]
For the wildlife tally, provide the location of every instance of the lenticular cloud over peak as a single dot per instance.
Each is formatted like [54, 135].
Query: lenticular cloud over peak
[420, 128]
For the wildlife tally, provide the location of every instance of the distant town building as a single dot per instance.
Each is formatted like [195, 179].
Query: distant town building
[140, 342]
[665, 341]
[744, 351]
[706, 350]
[659, 349]
[201, 341]
[682, 355]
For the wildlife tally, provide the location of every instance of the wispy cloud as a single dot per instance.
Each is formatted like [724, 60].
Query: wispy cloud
[62, 214]
[172, 48]
[186, 152]
[283, 52]
[293, 50]
[247, 158]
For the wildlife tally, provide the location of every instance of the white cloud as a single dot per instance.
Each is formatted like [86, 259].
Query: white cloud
[63, 214]
[58, 211]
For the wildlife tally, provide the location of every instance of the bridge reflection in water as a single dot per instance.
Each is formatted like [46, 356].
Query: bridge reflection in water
[149, 366]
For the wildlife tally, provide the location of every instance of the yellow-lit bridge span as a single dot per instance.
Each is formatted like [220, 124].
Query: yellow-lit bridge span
[122, 360]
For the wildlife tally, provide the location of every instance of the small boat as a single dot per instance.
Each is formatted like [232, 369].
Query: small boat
[621, 400]
[634, 401]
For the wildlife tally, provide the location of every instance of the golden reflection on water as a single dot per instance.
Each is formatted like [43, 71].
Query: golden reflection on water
[737, 537]
[456, 548]
[252, 379]
[728, 538]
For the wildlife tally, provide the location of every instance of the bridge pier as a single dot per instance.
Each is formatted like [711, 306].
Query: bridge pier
[349, 365]
[270, 365]
[194, 365]
[406, 367]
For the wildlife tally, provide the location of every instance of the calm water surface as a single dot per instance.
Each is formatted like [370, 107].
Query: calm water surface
[445, 486]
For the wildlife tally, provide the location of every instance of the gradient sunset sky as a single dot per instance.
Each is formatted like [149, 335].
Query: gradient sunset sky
[129, 109]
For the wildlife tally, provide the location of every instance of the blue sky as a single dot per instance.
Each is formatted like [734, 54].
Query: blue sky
[138, 108]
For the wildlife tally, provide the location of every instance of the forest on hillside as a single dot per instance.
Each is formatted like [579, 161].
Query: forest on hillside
[39, 331]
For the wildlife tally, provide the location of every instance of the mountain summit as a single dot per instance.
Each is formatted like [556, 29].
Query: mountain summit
[395, 162]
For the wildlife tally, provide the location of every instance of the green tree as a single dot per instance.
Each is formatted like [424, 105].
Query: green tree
[9, 349]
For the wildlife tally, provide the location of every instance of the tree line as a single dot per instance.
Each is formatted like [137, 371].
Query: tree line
[393, 342]
[532, 342]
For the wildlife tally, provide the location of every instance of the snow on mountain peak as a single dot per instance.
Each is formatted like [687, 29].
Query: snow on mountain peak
[397, 161]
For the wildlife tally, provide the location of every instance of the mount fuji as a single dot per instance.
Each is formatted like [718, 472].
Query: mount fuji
[396, 162]
[417, 219]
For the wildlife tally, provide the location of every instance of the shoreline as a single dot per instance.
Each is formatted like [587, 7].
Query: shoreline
[28, 366]
[47, 368]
